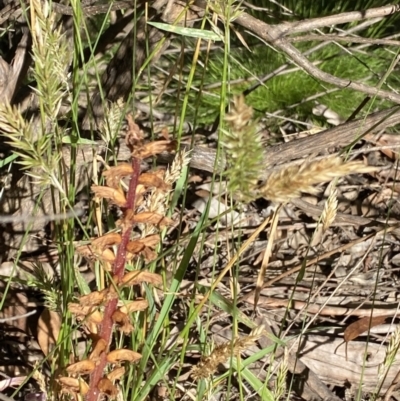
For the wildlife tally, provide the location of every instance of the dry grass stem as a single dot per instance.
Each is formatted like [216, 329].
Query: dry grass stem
[330, 209]
[267, 254]
[290, 182]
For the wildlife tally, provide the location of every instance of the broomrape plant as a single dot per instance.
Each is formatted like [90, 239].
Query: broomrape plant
[143, 206]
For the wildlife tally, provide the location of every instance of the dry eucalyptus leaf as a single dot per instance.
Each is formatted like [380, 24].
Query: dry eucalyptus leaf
[361, 326]
[48, 329]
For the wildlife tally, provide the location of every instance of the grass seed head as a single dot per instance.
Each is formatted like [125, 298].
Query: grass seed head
[290, 182]
[221, 353]
[243, 148]
[330, 210]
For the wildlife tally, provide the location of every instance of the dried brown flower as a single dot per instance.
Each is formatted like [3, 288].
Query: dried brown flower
[141, 276]
[154, 148]
[81, 368]
[134, 306]
[106, 241]
[106, 387]
[115, 196]
[154, 179]
[76, 385]
[99, 348]
[114, 174]
[122, 355]
[95, 298]
[152, 218]
[122, 320]
[116, 374]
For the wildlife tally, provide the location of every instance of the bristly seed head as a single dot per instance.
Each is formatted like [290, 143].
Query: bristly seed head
[288, 183]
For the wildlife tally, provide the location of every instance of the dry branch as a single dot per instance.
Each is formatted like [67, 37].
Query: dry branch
[275, 34]
[343, 18]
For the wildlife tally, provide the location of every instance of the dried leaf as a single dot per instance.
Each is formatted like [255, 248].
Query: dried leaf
[82, 367]
[48, 329]
[115, 196]
[12, 382]
[362, 325]
[15, 304]
[122, 355]
[137, 277]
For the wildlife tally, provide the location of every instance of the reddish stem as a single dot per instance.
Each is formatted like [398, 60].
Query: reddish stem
[118, 271]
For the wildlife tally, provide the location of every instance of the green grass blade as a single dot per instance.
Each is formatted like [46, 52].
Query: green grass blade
[188, 32]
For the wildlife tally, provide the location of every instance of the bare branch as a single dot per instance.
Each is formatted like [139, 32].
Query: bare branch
[338, 38]
[275, 35]
[313, 23]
